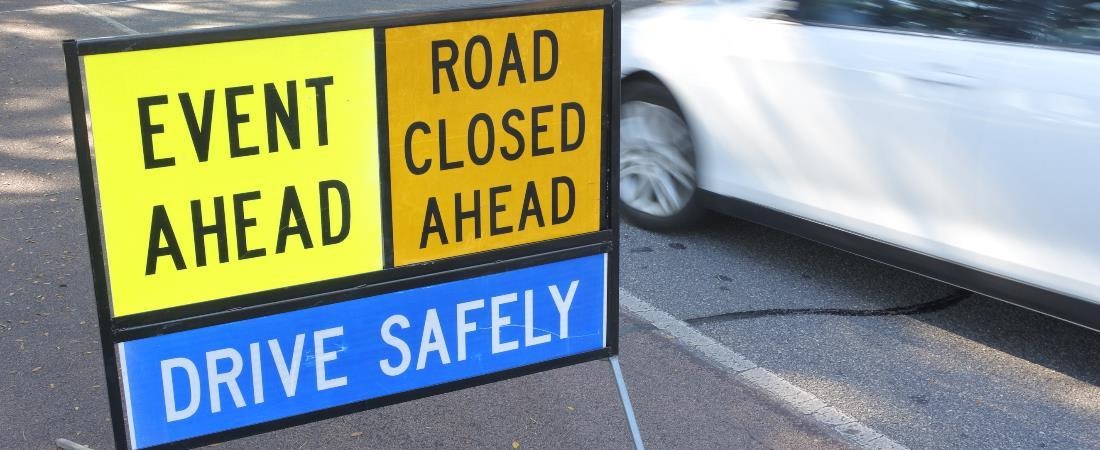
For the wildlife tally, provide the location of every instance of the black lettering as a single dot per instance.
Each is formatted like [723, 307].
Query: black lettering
[413, 168]
[471, 139]
[318, 85]
[554, 200]
[567, 146]
[161, 226]
[327, 238]
[447, 65]
[511, 61]
[537, 129]
[508, 128]
[482, 42]
[200, 133]
[235, 120]
[444, 164]
[292, 207]
[242, 223]
[287, 115]
[531, 207]
[495, 208]
[461, 215]
[541, 75]
[433, 223]
[148, 129]
[201, 230]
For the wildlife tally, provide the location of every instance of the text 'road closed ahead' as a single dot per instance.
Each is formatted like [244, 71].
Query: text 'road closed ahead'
[494, 132]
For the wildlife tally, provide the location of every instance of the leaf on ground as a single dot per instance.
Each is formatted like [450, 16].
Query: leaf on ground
[515, 444]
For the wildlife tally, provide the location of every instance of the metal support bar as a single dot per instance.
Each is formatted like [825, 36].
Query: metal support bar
[638, 445]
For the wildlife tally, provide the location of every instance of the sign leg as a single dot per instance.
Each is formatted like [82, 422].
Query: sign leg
[638, 445]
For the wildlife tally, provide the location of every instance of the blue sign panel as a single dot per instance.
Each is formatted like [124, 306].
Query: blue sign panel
[207, 380]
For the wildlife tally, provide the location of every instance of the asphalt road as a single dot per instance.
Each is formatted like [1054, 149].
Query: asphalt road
[954, 371]
[973, 373]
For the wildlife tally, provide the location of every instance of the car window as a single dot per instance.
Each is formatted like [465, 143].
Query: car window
[930, 16]
[1072, 23]
[841, 12]
[985, 19]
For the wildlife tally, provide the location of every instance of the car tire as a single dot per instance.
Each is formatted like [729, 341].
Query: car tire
[657, 171]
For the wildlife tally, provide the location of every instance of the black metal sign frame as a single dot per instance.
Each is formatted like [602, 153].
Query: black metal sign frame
[389, 279]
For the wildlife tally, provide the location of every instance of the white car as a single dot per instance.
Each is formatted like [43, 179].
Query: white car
[959, 139]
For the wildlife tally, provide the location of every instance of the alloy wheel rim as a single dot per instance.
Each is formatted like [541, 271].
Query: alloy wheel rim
[656, 168]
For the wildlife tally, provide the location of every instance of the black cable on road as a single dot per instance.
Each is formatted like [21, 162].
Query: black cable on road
[920, 308]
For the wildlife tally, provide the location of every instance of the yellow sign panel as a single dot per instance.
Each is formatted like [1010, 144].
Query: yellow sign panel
[494, 132]
[237, 167]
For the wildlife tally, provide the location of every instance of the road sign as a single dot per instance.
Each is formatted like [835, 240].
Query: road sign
[489, 138]
[293, 221]
[221, 165]
[226, 376]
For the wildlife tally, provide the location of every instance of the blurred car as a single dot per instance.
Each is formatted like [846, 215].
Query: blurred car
[959, 139]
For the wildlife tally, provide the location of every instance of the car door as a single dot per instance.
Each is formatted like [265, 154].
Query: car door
[848, 112]
[1037, 187]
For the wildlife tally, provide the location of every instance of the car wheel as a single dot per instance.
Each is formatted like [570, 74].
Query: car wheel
[657, 173]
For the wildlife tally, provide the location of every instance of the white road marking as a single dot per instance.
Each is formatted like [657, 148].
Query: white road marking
[105, 18]
[763, 379]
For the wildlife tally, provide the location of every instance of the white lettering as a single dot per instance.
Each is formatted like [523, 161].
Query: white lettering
[289, 376]
[432, 340]
[464, 326]
[499, 321]
[192, 372]
[563, 307]
[257, 375]
[401, 346]
[229, 379]
[529, 338]
[323, 357]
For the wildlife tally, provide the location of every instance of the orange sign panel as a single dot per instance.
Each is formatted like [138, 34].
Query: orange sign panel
[494, 132]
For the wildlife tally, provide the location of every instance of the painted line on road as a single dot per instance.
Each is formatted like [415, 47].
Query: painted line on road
[105, 18]
[767, 381]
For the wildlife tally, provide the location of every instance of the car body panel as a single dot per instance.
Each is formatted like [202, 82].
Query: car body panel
[980, 154]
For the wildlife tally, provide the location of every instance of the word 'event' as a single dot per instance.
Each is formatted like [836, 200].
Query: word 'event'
[278, 112]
